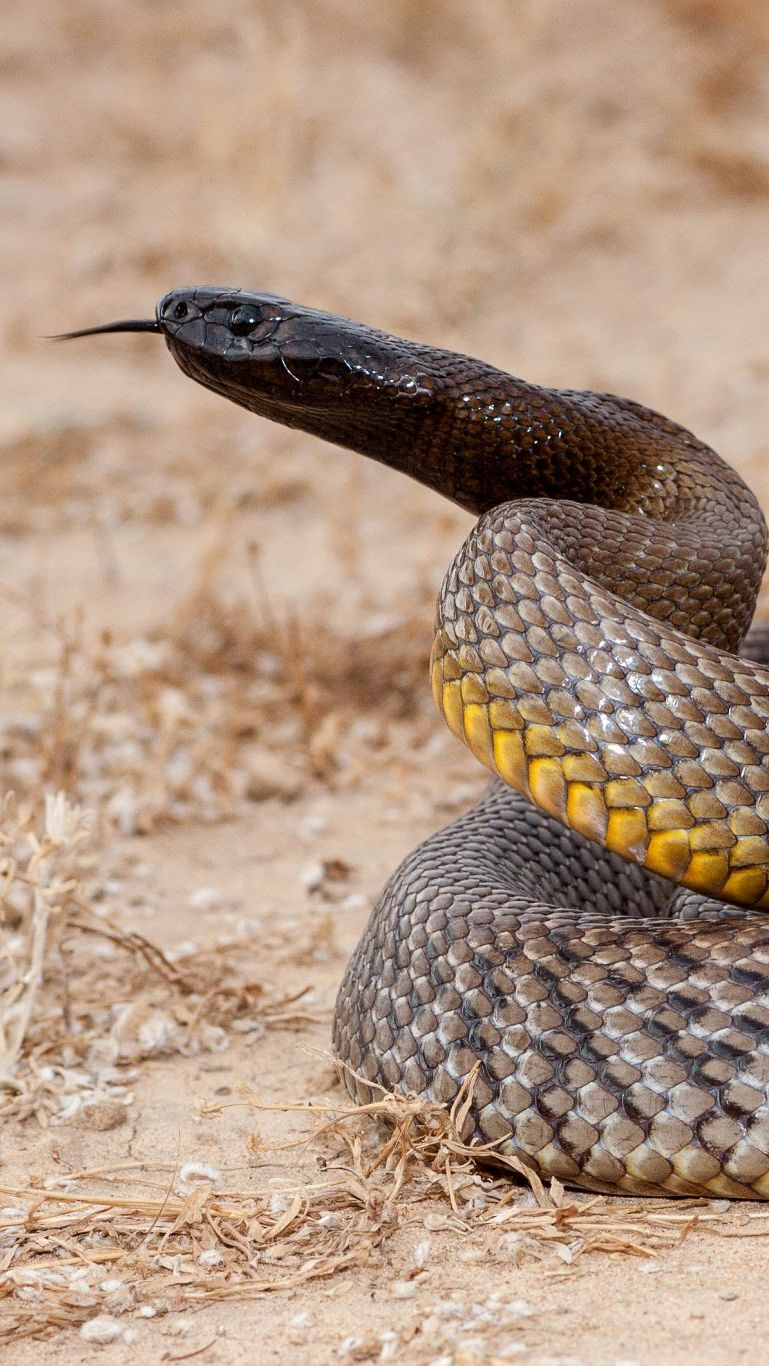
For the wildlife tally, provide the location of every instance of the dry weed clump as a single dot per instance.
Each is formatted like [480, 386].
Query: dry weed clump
[100, 1248]
[74, 1019]
[40, 874]
[230, 703]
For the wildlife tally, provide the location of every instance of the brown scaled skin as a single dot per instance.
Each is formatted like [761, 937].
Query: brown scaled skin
[582, 652]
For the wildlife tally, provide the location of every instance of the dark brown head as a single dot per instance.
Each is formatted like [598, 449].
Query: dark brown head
[340, 380]
[293, 364]
[462, 427]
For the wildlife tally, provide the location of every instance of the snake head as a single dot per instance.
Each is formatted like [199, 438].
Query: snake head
[272, 356]
[340, 380]
[258, 349]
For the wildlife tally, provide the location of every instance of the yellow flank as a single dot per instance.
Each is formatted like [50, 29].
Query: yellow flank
[668, 853]
[542, 740]
[626, 834]
[711, 836]
[474, 690]
[436, 681]
[503, 715]
[510, 759]
[451, 706]
[586, 811]
[662, 833]
[478, 733]
[749, 852]
[707, 872]
[583, 768]
[548, 786]
[668, 813]
[625, 793]
[745, 885]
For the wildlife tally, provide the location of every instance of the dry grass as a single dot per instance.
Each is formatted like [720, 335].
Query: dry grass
[72, 1021]
[559, 216]
[232, 703]
[110, 1248]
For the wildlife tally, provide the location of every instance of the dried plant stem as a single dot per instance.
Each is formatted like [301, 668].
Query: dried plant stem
[31, 983]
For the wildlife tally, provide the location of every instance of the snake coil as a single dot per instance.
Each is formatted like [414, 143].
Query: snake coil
[575, 933]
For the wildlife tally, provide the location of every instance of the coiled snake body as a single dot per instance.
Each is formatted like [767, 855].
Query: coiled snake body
[575, 933]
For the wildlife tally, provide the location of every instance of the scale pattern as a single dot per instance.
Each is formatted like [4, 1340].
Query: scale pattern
[574, 937]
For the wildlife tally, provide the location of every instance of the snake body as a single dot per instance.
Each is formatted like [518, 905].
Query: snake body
[572, 941]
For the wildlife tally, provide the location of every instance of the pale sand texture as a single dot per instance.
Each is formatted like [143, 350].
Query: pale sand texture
[575, 191]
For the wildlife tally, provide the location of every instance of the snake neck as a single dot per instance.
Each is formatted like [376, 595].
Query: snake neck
[484, 438]
[458, 425]
[471, 432]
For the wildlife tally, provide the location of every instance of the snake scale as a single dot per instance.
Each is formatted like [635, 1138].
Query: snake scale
[575, 933]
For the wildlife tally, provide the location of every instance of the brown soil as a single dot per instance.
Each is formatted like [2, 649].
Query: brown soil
[215, 632]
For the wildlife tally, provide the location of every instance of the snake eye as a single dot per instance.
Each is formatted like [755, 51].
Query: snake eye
[243, 320]
[180, 310]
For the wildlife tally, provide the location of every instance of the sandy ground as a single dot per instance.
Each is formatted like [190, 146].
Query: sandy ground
[215, 632]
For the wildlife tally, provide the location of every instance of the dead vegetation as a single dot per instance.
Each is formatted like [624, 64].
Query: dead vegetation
[74, 1021]
[455, 174]
[106, 1250]
[234, 702]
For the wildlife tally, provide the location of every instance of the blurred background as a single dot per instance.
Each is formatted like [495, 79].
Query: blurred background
[205, 618]
[578, 193]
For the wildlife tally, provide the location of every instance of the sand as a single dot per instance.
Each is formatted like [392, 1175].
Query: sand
[215, 632]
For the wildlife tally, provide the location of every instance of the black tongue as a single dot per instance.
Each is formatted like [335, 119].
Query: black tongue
[128, 325]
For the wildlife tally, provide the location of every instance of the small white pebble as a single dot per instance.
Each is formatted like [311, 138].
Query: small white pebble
[180, 1328]
[348, 1345]
[110, 1286]
[248, 926]
[520, 1309]
[147, 1311]
[193, 1172]
[278, 1204]
[451, 1309]
[205, 899]
[104, 1328]
[390, 1345]
[313, 825]
[186, 948]
[423, 1252]
[303, 1320]
[312, 877]
[403, 1290]
[210, 1257]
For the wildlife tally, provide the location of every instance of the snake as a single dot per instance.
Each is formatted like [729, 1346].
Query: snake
[589, 945]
